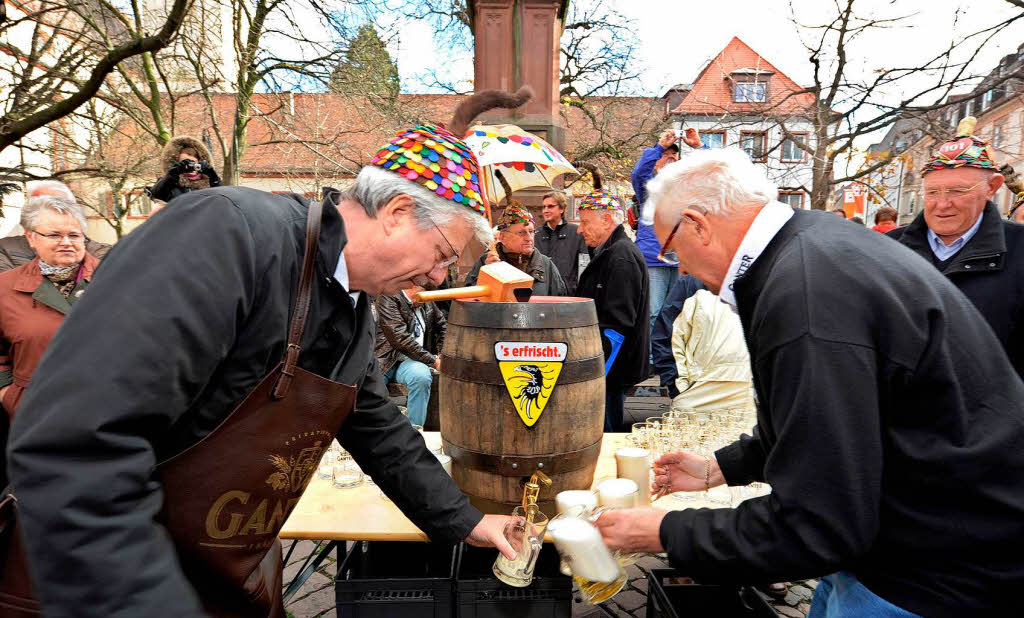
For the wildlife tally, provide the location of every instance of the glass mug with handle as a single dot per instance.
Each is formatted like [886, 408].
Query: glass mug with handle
[525, 533]
[597, 573]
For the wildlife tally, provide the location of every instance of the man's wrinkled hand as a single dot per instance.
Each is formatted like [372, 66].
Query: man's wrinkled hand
[490, 532]
[632, 530]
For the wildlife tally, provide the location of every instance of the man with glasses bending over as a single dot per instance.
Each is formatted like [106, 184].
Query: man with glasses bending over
[961, 232]
[890, 425]
[180, 413]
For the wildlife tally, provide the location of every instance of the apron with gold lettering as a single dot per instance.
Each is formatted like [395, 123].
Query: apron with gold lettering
[227, 496]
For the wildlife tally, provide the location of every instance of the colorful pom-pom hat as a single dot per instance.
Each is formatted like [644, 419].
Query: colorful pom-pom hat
[514, 213]
[434, 158]
[599, 198]
[438, 159]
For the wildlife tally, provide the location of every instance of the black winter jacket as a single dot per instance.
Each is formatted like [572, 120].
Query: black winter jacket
[989, 270]
[618, 282]
[890, 427]
[564, 246]
[190, 312]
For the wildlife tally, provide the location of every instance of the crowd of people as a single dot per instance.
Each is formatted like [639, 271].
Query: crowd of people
[885, 366]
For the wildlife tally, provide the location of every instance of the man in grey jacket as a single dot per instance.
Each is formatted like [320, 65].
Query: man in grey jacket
[559, 240]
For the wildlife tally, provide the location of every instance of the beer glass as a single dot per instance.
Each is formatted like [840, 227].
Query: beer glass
[326, 468]
[577, 503]
[346, 472]
[597, 574]
[634, 463]
[525, 535]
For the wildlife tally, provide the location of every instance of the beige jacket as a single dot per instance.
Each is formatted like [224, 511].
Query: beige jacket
[711, 356]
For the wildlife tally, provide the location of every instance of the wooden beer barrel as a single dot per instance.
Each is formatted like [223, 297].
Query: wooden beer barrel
[522, 389]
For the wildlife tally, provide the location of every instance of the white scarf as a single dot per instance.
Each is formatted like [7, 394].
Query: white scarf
[766, 225]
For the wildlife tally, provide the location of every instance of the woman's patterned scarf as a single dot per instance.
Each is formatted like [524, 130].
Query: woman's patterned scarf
[63, 277]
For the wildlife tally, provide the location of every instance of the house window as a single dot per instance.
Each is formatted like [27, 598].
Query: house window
[753, 145]
[999, 133]
[713, 139]
[794, 199]
[791, 153]
[138, 204]
[750, 91]
[989, 97]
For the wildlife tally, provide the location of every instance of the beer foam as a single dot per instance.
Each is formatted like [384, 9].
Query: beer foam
[566, 500]
[580, 542]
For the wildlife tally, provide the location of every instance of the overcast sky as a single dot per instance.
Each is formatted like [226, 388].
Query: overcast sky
[676, 38]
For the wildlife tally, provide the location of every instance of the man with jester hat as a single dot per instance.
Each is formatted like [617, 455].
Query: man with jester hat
[153, 479]
[617, 280]
[961, 233]
[515, 245]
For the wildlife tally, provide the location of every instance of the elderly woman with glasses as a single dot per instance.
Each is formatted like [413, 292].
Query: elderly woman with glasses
[35, 297]
[516, 246]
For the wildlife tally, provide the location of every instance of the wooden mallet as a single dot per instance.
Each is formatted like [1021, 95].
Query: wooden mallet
[497, 283]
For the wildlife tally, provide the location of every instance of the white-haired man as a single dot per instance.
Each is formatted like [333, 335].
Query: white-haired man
[617, 280]
[182, 410]
[890, 426]
[15, 250]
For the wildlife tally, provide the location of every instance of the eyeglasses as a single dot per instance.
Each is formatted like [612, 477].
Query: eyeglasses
[666, 247]
[56, 237]
[446, 262]
[953, 193]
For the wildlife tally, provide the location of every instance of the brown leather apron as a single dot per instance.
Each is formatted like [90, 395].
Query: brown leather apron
[227, 496]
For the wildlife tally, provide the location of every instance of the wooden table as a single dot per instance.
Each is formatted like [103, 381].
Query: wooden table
[331, 516]
[363, 514]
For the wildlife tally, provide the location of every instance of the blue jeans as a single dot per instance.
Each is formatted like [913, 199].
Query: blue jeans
[840, 595]
[662, 278]
[416, 377]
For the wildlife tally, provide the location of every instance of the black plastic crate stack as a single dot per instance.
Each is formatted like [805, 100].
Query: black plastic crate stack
[480, 595]
[670, 595]
[381, 579]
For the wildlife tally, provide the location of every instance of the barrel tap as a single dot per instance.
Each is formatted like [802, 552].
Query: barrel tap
[531, 491]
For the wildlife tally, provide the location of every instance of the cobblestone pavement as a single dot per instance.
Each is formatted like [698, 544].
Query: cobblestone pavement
[316, 597]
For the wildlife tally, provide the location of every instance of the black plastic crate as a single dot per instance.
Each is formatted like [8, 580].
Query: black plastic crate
[671, 595]
[480, 595]
[380, 579]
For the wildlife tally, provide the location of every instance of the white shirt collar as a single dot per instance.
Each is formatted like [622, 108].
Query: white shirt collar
[944, 251]
[341, 276]
[766, 225]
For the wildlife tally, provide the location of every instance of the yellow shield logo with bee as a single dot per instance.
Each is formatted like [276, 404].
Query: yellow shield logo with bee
[530, 371]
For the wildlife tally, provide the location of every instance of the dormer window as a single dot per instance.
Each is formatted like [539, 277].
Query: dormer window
[750, 85]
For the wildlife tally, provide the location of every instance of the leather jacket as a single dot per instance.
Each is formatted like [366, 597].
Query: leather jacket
[396, 327]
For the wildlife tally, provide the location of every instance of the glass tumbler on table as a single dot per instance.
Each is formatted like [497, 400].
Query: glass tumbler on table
[346, 471]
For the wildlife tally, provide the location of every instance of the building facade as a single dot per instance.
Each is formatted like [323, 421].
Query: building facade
[741, 99]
